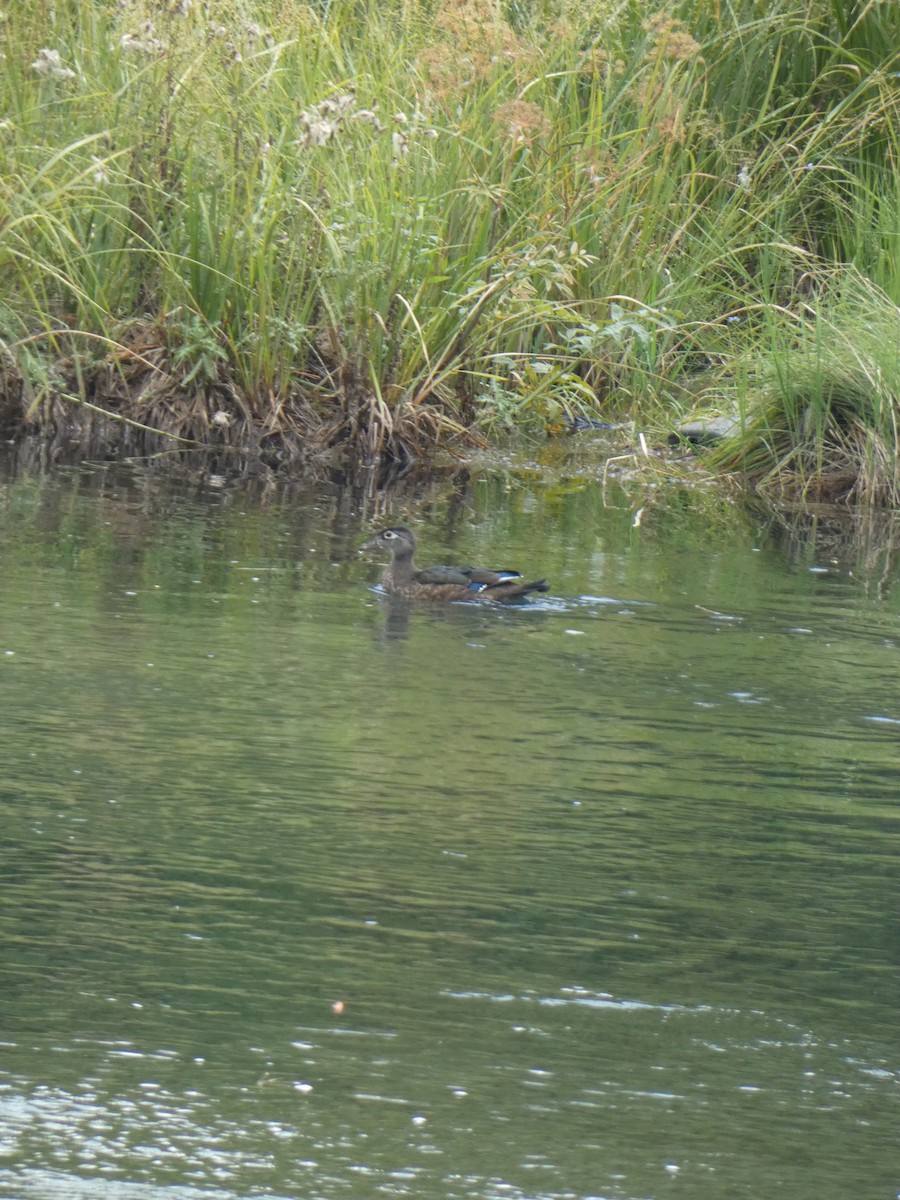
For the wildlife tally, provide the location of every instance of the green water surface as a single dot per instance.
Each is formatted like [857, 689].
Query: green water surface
[305, 896]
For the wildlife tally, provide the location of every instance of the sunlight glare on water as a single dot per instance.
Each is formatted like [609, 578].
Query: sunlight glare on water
[308, 894]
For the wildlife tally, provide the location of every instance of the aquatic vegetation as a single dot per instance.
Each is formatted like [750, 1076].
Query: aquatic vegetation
[380, 228]
[823, 406]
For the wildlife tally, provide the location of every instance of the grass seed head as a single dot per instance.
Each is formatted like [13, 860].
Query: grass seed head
[48, 64]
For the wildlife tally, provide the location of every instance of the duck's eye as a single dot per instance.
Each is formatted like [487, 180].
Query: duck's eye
[388, 535]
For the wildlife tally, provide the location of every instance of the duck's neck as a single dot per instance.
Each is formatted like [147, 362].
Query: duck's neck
[400, 570]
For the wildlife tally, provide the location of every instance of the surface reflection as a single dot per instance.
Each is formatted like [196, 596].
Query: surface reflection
[314, 893]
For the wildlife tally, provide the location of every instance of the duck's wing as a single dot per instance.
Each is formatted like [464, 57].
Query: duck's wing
[475, 579]
[512, 589]
[485, 578]
[458, 575]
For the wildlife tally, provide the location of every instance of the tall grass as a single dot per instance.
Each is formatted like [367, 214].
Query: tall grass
[822, 408]
[383, 225]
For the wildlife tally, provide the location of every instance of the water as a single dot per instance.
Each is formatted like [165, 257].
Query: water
[307, 897]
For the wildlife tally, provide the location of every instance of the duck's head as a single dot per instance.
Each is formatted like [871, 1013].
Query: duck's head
[396, 540]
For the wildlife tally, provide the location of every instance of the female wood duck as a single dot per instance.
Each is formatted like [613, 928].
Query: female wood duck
[403, 578]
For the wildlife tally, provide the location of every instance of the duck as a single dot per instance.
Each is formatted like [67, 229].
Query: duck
[403, 578]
